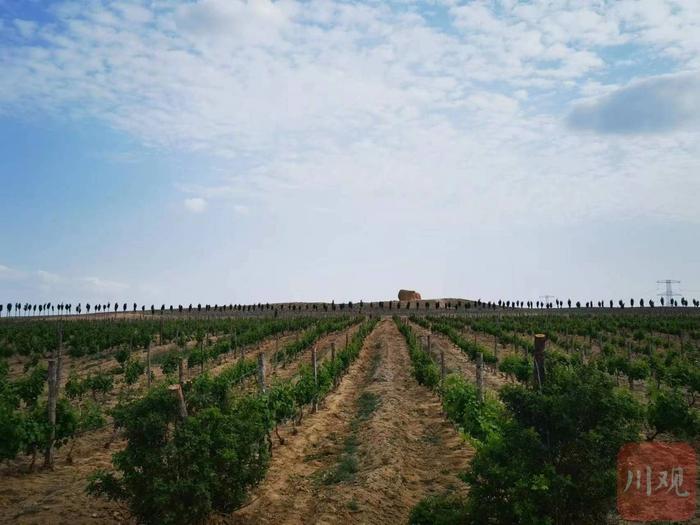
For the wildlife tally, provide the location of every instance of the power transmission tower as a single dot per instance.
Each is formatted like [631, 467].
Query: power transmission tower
[547, 298]
[669, 294]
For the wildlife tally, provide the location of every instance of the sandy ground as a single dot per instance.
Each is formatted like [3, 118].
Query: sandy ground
[403, 450]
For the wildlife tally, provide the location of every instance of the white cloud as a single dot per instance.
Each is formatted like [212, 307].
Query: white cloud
[48, 277]
[134, 13]
[247, 22]
[99, 285]
[195, 204]
[26, 28]
[10, 274]
[371, 105]
[43, 285]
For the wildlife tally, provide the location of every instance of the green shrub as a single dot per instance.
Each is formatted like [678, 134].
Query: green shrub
[446, 509]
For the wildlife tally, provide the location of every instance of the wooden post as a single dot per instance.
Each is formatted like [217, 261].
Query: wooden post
[148, 363]
[261, 372]
[276, 357]
[59, 357]
[180, 396]
[49, 454]
[539, 370]
[315, 366]
[335, 377]
[54, 379]
[480, 377]
[442, 365]
[181, 372]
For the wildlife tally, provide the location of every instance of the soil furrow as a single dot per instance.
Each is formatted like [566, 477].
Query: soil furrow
[378, 446]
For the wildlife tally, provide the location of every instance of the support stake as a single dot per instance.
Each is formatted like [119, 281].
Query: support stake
[261, 372]
[539, 371]
[480, 377]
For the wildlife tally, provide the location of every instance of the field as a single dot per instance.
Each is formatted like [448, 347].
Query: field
[322, 413]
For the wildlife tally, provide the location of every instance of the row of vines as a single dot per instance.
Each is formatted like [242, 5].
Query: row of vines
[181, 465]
[543, 454]
[82, 405]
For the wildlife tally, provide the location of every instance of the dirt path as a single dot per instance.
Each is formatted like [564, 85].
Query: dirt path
[458, 361]
[373, 451]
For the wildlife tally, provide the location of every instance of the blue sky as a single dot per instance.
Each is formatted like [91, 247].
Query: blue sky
[230, 151]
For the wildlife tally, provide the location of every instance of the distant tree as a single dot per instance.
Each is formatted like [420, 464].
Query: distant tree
[662, 301]
[569, 303]
[611, 303]
[641, 303]
[631, 303]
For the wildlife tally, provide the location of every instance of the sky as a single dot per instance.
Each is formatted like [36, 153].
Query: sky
[224, 151]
